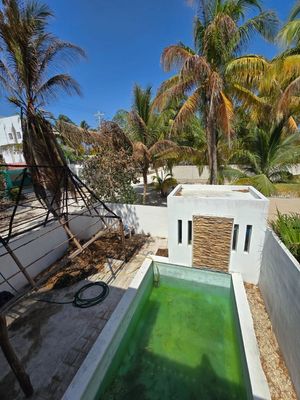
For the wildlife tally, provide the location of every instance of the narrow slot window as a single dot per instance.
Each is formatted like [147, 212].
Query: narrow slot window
[179, 231]
[235, 236]
[248, 238]
[190, 232]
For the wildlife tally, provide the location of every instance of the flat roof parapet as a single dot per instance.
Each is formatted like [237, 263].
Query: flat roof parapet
[228, 192]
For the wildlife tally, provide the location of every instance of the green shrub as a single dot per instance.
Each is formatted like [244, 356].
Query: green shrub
[287, 227]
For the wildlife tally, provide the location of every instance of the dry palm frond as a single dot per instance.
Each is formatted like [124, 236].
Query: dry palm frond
[115, 136]
[174, 56]
[292, 125]
[188, 109]
[287, 68]
[176, 91]
[110, 135]
[141, 154]
[138, 125]
[225, 114]
[75, 136]
[248, 98]
[247, 70]
[283, 104]
[161, 146]
[195, 68]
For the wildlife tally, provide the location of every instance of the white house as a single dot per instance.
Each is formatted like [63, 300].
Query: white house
[11, 139]
[218, 226]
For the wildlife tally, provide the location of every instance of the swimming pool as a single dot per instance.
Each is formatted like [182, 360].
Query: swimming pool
[177, 335]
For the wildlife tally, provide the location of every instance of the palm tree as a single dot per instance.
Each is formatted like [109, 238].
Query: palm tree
[29, 53]
[148, 130]
[268, 92]
[267, 158]
[219, 35]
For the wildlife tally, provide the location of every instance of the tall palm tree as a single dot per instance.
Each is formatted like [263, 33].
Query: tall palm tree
[29, 54]
[219, 35]
[147, 130]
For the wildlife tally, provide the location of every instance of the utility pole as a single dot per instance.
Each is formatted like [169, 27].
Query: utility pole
[99, 117]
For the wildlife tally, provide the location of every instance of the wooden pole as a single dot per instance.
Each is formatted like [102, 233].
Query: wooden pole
[122, 236]
[63, 223]
[13, 360]
[19, 264]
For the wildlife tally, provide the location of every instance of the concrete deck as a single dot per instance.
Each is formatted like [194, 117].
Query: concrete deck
[53, 339]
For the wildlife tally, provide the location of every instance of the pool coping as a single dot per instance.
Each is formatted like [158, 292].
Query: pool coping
[86, 372]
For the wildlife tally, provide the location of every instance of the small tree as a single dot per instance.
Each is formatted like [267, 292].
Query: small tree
[110, 174]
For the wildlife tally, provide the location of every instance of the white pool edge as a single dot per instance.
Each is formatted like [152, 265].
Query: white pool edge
[259, 384]
[85, 374]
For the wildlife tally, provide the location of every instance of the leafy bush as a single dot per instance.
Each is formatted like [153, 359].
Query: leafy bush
[287, 227]
[110, 174]
[164, 183]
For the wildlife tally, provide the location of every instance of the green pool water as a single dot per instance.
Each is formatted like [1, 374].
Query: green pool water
[182, 344]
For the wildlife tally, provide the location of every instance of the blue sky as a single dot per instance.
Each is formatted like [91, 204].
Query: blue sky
[123, 40]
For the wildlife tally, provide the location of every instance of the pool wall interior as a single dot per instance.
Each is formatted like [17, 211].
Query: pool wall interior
[143, 359]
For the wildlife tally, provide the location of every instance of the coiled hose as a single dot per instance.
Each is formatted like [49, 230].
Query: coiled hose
[84, 302]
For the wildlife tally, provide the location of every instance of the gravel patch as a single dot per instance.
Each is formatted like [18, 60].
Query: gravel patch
[273, 364]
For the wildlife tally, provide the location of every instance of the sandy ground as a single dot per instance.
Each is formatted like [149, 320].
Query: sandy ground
[291, 205]
[273, 364]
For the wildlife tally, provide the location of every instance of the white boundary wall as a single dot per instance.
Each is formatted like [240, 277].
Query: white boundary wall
[280, 287]
[144, 219]
[190, 173]
[42, 241]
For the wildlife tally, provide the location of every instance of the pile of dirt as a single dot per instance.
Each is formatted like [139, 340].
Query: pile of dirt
[162, 252]
[273, 364]
[91, 261]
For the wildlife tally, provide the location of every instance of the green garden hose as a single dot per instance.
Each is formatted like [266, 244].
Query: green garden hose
[83, 302]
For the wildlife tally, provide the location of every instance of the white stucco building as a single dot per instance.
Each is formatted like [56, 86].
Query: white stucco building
[218, 226]
[11, 139]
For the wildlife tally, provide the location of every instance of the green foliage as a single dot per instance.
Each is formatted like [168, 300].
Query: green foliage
[164, 183]
[84, 125]
[110, 174]
[121, 118]
[266, 157]
[287, 227]
[65, 118]
[14, 193]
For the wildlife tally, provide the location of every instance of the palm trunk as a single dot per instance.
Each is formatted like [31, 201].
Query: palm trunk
[41, 148]
[213, 162]
[145, 179]
[211, 138]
